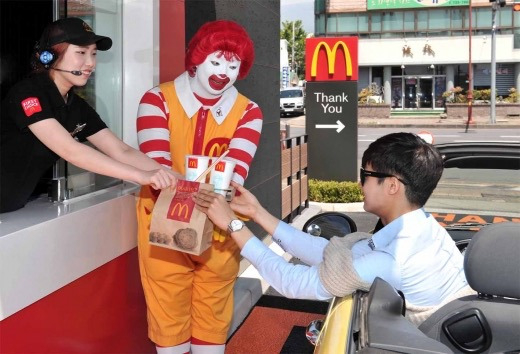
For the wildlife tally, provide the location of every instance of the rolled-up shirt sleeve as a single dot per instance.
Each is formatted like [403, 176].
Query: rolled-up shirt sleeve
[290, 280]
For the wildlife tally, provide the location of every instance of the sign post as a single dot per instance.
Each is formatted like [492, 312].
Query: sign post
[331, 108]
[285, 77]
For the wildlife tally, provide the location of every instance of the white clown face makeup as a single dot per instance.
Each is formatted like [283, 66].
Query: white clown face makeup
[215, 75]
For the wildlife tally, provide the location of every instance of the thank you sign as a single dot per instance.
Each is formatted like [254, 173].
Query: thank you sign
[331, 107]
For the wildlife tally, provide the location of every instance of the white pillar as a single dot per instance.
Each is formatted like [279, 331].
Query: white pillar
[450, 77]
[387, 77]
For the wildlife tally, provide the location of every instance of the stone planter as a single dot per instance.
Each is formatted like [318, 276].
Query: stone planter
[502, 110]
[376, 111]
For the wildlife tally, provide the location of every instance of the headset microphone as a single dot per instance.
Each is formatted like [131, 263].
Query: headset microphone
[73, 72]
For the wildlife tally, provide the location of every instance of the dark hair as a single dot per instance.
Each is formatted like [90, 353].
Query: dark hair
[226, 36]
[409, 157]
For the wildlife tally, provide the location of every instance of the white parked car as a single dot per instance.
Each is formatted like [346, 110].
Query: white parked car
[292, 100]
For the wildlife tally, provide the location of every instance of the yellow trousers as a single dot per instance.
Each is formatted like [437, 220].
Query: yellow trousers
[186, 295]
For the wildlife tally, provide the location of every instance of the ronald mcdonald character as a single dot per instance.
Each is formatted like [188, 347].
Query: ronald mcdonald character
[190, 298]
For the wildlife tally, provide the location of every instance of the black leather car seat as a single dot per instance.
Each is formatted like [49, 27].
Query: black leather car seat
[490, 321]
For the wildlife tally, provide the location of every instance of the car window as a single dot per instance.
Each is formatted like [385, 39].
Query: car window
[291, 93]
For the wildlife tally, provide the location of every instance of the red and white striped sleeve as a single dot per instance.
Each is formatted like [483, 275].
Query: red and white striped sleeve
[244, 142]
[153, 134]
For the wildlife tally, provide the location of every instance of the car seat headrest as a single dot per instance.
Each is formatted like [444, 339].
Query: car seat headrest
[492, 260]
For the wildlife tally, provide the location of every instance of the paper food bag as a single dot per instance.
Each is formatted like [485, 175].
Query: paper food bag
[177, 224]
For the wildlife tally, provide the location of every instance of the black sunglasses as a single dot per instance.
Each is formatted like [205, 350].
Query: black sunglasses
[364, 174]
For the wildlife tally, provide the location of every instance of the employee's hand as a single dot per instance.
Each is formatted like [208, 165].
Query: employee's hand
[245, 203]
[159, 179]
[215, 206]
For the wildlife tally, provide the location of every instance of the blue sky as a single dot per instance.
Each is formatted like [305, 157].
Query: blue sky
[292, 10]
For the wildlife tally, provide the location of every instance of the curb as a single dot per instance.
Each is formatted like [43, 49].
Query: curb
[438, 125]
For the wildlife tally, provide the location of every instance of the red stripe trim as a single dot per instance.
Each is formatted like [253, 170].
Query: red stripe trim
[154, 100]
[240, 155]
[241, 171]
[163, 161]
[154, 145]
[251, 115]
[248, 134]
[200, 131]
[148, 122]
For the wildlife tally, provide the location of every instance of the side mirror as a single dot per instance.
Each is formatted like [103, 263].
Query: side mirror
[330, 224]
[313, 331]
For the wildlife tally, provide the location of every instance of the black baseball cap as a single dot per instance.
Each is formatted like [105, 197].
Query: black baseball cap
[75, 31]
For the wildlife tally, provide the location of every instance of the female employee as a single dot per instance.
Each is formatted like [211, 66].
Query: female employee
[43, 120]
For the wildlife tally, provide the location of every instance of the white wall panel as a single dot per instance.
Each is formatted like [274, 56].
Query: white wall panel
[448, 50]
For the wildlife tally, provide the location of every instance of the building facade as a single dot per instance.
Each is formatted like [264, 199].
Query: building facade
[418, 49]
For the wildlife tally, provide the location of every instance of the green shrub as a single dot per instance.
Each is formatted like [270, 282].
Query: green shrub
[334, 192]
[483, 95]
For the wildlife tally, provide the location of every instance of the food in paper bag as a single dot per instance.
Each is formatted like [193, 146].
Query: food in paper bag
[177, 224]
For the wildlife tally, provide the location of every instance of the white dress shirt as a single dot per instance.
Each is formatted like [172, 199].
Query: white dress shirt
[413, 253]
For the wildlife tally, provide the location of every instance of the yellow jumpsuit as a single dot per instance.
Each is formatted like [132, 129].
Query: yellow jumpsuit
[186, 295]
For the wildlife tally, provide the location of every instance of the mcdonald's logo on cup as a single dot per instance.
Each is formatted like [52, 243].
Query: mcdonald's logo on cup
[221, 166]
[192, 163]
[331, 59]
[179, 211]
[195, 165]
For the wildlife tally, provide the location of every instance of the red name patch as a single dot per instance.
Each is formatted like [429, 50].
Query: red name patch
[31, 105]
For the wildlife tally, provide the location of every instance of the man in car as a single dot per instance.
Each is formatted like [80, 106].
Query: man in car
[412, 251]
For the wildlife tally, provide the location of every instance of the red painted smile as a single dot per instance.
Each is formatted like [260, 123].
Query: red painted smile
[218, 83]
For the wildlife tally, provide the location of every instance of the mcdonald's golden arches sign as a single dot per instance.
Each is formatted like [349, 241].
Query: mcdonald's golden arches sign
[331, 59]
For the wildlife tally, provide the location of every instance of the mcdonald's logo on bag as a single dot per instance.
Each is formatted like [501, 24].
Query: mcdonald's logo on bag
[179, 211]
[331, 59]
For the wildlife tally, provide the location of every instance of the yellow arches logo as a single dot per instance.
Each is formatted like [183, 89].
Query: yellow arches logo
[217, 149]
[176, 212]
[331, 58]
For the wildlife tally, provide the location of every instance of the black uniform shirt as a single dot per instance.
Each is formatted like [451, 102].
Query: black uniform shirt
[24, 158]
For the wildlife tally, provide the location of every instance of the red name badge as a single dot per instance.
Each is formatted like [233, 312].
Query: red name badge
[31, 105]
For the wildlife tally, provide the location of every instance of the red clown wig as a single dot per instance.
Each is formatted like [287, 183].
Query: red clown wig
[227, 37]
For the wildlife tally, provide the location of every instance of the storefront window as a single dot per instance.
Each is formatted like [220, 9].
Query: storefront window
[439, 19]
[440, 87]
[456, 19]
[320, 24]
[397, 92]
[422, 20]
[331, 24]
[393, 21]
[103, 91]
[363, 22]
[375, 22]
[347, 23]
[483, 18]
[409, 21]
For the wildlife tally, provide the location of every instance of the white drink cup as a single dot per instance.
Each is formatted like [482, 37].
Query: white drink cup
[195, 165]
[221, 175]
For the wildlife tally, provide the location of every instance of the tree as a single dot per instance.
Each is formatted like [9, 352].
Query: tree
[299, 44]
